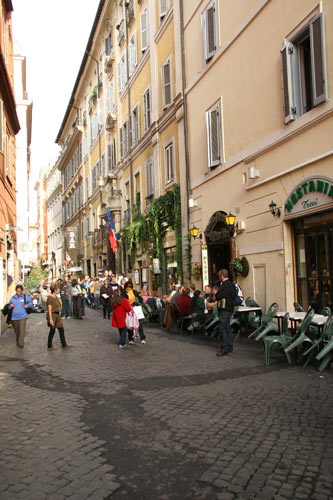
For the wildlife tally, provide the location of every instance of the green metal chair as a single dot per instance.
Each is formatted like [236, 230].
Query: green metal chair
[210, 322]
[267, 324]
[301, 334]
[313, 330]
[281, 340]
[317, 345]
[327, 354]
[253, 319]
[298, 307]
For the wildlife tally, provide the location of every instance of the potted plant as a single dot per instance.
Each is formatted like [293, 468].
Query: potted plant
[197, 271]
[236, 266]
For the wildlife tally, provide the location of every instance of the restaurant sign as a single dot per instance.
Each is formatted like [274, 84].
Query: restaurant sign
[310, 195]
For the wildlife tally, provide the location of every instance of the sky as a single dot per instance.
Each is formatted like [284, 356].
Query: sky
[53, 35]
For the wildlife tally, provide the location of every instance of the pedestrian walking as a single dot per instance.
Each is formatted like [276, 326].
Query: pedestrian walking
[120, 307]
[77, 300]
[82, 284]
[139, 302]
[44, 295]
[225, 305]
[106, 295]
[54, 319]
[65, 311]
[19, 303]
[97, 293]
[70, 294]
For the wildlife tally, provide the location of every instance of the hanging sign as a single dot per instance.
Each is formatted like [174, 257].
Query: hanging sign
[310, 195]
[204, 257]
[156, 266]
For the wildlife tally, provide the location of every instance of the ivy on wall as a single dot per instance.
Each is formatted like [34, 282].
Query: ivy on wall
[149, 230]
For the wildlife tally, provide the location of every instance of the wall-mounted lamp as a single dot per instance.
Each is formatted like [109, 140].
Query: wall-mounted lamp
[100, 181]
[276, 212]
[194, 232]
[230, 220]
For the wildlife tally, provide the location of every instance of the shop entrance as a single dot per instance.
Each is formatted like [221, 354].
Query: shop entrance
[314, 261]
[219, 256]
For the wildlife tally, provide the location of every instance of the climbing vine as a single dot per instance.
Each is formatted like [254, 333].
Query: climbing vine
[149, 230]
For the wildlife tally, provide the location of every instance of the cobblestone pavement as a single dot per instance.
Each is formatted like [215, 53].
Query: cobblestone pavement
[162, 421]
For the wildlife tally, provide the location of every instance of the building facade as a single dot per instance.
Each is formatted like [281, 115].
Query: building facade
[23, 162]
[260, 119]
[9, 127]
[122, 137]
[54, 222]
[41, 222]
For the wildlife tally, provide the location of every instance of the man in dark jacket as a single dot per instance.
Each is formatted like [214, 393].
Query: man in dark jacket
[225, 305]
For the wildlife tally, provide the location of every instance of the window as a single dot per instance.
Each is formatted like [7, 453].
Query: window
[109, 43]
[1, 126]
[303, 70]
[214, 136]
[123, 139]
[146, 110]
[100, 112]
[149, 178]
[85, 145]
[144, 30]
[87, 188]
[132, 54]
[209, 28]
[166, 84]
[110, 97]
[163, 7]
[93, 179]
[111, 157]
[135, 125]
[122, 73]
[7, 155]
[169, 163]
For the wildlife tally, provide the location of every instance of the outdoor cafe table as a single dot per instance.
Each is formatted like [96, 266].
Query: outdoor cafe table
[244, 311]
[318, 320]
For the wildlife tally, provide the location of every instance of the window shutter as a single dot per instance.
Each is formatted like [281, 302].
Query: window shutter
[287, 83]
[318, 60]
[144, 30]
[163, 7]
[166, 85]
[213, 137]
[211, 45]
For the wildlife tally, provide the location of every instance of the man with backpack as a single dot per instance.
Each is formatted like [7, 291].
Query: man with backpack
[225, 303]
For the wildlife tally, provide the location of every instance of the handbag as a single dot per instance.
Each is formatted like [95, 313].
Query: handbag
[139, 312]
[28, 309]
[130, 321]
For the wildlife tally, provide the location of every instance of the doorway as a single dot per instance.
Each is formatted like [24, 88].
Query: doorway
[219, 256]
[314, 262]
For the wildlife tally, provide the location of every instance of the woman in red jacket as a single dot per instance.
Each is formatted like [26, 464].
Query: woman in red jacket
[120, 307]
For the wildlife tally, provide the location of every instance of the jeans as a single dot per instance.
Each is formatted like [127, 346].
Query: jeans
[97, 300]
[122, 334]
[61, 334]
[83, 304]
[225, 331]
[65, 311]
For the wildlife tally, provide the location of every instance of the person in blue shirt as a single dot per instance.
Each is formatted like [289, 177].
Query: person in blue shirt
[19, 304]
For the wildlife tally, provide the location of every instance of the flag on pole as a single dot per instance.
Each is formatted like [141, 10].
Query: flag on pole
[112, 232]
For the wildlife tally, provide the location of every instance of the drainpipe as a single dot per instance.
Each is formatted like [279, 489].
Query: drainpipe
[187, 162]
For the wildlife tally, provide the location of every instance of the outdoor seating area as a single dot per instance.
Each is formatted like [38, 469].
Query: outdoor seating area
[297, 336]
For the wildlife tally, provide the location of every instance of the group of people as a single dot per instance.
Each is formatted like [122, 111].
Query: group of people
[119, 299]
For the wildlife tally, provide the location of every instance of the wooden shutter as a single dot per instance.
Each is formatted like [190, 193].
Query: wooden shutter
[144, 30]
[163, 7]
[209, 29]
[166, 83]
[318, 60]
[289, 108]
[214, 137]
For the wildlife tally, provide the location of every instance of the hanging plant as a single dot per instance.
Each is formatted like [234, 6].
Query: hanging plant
[197, 271]
[236, 265]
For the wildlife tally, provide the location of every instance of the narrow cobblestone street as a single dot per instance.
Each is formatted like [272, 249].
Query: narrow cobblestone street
[166, 420]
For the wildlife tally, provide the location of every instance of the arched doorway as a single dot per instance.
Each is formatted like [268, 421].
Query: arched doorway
[219, 243]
